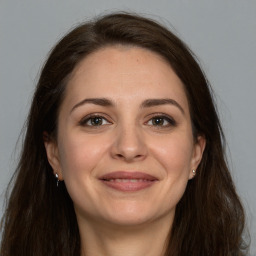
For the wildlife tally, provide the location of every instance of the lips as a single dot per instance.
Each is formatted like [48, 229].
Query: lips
[128, 181]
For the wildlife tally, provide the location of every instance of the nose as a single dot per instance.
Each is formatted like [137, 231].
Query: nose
[129, 145]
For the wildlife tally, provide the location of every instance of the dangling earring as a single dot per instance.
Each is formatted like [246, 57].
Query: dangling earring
[194, 172]
[57, 177]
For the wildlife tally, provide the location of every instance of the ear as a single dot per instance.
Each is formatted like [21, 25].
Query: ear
[52, 152]
[198, 151]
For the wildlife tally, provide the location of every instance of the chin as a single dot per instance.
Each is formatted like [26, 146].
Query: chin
[135, 215]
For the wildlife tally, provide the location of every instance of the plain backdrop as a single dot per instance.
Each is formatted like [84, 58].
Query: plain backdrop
[222, 33]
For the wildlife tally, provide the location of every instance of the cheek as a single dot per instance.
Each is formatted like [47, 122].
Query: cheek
[79, 155]
[172, 157]
[174, 153]
[176, 158]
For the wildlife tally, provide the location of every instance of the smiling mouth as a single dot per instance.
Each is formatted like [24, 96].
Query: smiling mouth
[128, 181]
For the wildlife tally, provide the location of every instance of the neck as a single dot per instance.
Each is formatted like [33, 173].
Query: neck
[115, 240]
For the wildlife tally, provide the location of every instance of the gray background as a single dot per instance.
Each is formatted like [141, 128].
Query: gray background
[221, 32]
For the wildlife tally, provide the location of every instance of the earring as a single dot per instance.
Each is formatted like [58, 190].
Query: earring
[194, 172]
[57, 177]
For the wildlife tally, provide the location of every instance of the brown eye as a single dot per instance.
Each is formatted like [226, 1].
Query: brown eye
[161, 121]
[94, 121]
[158, 121]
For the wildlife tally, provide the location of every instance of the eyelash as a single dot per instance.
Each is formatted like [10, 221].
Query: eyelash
[85, 120]
[170, 121]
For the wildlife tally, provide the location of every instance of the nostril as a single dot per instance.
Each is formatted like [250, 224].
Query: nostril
[122, 156]
[129, 157]
[126, 149]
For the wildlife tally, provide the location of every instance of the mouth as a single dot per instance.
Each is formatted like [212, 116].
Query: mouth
[128, 181]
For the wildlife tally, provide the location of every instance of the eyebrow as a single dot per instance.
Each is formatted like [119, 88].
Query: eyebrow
[157, 102]
[145, 104]
[96, 101]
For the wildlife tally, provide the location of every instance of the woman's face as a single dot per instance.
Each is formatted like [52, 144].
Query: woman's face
[125, 148]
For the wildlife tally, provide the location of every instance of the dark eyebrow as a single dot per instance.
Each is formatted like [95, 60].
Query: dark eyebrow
[157, 102]
[145, 104]
[96, 101]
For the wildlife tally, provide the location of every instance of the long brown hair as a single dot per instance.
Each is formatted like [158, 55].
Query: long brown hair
[39, 218]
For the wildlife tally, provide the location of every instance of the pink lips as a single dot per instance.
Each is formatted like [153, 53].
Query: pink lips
[128, 181]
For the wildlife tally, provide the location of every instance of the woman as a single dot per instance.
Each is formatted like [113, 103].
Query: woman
[123, 153]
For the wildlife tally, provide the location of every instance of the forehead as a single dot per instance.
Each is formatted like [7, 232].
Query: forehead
[123, 73]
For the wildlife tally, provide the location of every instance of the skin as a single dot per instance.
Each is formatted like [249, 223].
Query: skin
[129, 138]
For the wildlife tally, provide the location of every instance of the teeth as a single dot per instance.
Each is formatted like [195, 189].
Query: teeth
[127, 180]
